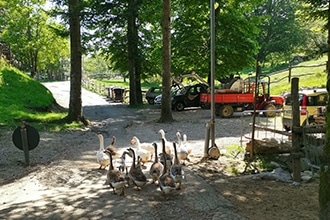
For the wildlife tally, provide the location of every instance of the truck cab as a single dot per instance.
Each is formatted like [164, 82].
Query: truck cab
[188, 96]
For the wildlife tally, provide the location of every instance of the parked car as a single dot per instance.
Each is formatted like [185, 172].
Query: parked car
[174, 90]
[312, 104]
[152, 93]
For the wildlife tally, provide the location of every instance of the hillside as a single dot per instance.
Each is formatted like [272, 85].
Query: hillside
[310, 73]
[21, 97]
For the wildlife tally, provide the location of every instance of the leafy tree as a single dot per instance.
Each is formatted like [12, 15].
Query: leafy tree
[95, 65]
[236, 32]
[280, 31]
[28, 30]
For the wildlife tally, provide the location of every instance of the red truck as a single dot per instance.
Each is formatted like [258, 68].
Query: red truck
[237, 95]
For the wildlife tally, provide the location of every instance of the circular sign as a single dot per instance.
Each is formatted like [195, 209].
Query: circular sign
[32, 137]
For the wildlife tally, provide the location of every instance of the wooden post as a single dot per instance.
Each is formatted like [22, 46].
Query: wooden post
[290, 67]
[207, 139]
[296, 130]
[256, 88]
[25, 143]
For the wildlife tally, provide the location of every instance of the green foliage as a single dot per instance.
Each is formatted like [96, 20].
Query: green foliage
[264, 162]
[31, 34]
[21, 97]
[281, 33]
[233, 151]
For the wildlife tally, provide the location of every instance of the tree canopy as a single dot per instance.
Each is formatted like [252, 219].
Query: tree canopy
[29, 31]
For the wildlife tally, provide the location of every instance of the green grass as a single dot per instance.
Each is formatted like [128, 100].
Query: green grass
[317, 79]
[21, 96]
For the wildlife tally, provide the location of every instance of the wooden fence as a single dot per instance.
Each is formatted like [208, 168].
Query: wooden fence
[290, 72]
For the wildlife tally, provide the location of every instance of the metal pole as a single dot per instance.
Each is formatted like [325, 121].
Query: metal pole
[25, 143]
[212, 71]
[210, 127]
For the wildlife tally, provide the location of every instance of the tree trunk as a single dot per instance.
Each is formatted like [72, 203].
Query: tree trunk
[138, 73]
[75, 104]
[166, 113]
[134, 60]
[324, 188]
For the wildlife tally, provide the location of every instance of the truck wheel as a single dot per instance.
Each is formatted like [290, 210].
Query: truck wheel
[179, 106]
[270, 107]
[226, 111]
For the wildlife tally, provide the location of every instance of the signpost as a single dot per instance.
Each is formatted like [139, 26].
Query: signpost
[26, 138]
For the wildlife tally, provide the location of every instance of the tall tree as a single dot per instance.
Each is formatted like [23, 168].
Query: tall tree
[166, 114]
[280, 31]
[236, 32]
[75, 104]
[27, 28]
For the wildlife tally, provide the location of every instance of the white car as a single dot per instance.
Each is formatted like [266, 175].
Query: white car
[158, 100]
[174, 91]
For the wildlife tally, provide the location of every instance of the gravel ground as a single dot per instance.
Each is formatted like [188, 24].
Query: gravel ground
[64, 181]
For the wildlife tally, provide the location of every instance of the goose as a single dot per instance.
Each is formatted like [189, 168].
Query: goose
[167, 157]
[165, 181]
[120, 163]
[167, 143]
[145, 155]
[176, 170]
[183, 150]
[184, 143]
[112, 147]
[135, 174]
[128, 180]
[101, 157]
[156, 167]
[138, 163]
[115, 178]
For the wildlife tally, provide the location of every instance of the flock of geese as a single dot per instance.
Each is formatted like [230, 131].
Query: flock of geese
[166, 170]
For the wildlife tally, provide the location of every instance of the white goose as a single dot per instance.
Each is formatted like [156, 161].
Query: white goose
[145, 155]
[183, 150]
[101, 157]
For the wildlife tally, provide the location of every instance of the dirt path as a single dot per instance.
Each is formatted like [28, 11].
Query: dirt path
[63, 181]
